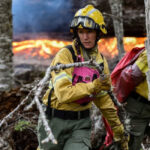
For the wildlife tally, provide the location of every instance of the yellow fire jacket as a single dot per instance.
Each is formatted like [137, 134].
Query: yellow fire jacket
[65, 94]
[142, 64]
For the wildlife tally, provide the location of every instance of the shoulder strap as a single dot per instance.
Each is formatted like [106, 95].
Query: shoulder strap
[102, 64]
[70, 48]
[48, 109]
[102, 56]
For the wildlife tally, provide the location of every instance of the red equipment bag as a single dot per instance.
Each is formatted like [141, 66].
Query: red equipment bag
[120, 89]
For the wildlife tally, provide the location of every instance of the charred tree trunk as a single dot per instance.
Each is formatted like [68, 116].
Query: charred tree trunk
[6, 54]
[147, 13]
[116, 9]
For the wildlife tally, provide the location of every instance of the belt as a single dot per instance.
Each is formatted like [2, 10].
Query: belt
[68, 115]
[139, 98]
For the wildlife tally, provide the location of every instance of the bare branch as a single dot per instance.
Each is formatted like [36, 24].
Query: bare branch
[10, 115]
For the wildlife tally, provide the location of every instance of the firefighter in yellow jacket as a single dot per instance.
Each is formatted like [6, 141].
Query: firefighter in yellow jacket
[72, 91]
[137, 104]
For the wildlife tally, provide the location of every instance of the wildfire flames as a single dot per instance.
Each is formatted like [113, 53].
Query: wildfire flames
[42, 48]
[109, 46]
[46, 48]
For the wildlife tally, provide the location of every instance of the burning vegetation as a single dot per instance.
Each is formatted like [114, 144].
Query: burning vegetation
[47, 48]
[41, 48]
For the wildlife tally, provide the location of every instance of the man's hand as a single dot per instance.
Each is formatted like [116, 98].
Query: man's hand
[102, 84]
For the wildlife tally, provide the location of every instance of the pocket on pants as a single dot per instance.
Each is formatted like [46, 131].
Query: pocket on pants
[133, 106]
[87, 142]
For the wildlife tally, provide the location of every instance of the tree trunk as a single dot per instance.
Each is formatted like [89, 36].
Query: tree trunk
[147, 14]
[6, 54]
[116, 9]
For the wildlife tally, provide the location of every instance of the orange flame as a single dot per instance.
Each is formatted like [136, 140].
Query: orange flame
[42, 48]
[45, 48]
[109, 46]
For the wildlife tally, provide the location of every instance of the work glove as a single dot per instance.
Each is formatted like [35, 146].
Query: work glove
[102, 84]
[124, 142]
[121, 138]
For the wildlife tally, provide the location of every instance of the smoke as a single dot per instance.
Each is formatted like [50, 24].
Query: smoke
[41, 15]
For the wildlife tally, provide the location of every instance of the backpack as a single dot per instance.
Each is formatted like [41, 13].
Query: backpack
[122, 91]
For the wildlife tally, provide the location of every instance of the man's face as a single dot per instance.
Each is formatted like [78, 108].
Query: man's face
[87, 37]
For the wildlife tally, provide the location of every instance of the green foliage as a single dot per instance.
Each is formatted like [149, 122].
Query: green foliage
[23, 124]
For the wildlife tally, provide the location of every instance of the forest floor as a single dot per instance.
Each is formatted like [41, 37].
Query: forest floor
[20, 131]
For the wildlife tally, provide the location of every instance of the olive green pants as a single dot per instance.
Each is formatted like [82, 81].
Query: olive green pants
[70, 134]
[139, 113]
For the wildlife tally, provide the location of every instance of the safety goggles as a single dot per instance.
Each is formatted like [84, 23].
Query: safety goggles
[86, 22]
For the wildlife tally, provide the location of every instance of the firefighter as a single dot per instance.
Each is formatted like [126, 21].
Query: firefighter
[72, 91]
[133, 81]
